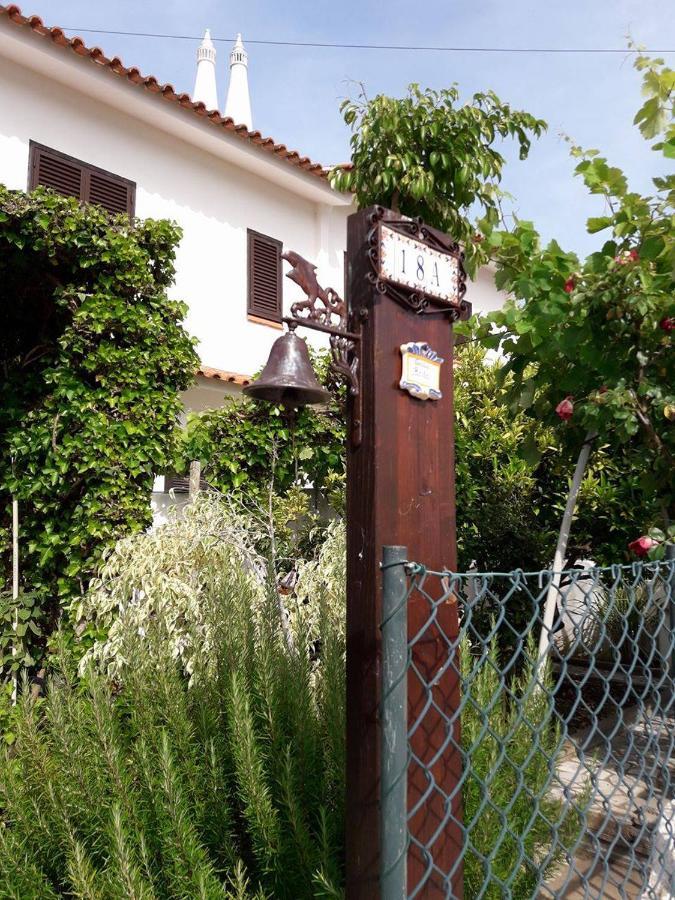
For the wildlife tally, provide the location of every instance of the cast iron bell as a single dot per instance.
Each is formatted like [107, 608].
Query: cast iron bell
[288, 377]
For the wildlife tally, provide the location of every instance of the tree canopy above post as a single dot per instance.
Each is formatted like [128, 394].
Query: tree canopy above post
[427, 155]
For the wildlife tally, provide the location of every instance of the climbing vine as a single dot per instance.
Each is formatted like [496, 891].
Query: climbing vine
[92, 358]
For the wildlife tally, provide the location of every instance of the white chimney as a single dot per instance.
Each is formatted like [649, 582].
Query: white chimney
[238, 103]
[205, 90]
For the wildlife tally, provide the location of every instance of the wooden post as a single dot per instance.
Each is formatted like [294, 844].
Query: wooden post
[195, 477]
[15, 585]
[400, 491]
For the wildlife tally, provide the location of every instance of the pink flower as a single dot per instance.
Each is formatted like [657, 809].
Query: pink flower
[627, 256]
[667, 324]
[642, 545]
[570, 284]
[565, 408]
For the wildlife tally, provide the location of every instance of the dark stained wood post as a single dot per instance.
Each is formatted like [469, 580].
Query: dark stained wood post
[400, 491]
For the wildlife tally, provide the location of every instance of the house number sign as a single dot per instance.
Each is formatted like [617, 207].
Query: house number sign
[410, 263]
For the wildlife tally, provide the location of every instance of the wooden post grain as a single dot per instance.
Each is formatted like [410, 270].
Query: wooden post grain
[195, 479]
[400, 491]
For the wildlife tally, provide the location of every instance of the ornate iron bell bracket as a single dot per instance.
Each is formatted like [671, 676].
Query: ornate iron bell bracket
[324, 310]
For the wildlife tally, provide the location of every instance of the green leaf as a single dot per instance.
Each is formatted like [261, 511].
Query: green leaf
[529, 450]
[652, 247]
[599, 223]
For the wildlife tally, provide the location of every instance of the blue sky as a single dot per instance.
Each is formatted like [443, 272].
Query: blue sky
[295, 91]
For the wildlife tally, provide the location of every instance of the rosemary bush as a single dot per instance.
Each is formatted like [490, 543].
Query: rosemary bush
[212, 774]
[198, 750]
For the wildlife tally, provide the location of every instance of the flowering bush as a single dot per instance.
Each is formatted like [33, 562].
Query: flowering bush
[167, 576]
[596, 332]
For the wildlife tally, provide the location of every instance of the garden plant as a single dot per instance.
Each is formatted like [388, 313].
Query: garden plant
[213, 745]
[93, 356]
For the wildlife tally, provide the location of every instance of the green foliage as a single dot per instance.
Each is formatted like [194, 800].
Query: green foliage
[219, 774]
[93, 357]
[426, 155]
[246, 446]
[512, 477]
[505, 502]
[20, 631]
[599, 332]
[280, 465]
[510, 811]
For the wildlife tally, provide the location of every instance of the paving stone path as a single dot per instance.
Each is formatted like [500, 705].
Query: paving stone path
[621, 769]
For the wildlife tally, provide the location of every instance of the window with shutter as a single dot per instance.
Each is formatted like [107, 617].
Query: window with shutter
[114, 194]
[264, 277]
[180, 484]
[74, 178]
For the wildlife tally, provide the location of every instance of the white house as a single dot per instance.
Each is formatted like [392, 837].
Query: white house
[88, 125]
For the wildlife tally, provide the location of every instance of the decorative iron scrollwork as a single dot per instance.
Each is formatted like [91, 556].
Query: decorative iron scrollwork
[321, 305]
[324, 310]
[416, 300]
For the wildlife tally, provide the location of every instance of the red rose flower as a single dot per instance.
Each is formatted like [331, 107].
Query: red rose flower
[565, 408]
[667, 324]
[570, 284]
[642, 545]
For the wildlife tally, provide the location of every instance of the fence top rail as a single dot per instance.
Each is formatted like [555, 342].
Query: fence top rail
[635, 569]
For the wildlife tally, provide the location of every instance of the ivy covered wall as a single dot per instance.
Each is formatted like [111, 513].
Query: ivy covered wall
[93, 355]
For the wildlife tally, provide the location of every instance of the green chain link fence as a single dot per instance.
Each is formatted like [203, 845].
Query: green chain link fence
[512, 773]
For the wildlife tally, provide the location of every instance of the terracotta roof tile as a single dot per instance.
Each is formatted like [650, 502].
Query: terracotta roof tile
[150, 83]
[220, 375]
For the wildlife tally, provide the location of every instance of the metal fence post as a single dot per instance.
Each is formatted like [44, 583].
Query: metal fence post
[670, 557]
[394, 725]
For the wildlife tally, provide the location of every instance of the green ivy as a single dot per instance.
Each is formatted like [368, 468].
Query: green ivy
[19, 631]
[93, 356]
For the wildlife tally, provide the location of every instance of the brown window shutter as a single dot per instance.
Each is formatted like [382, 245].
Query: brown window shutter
[264, 277]
[114, 194]
[74, 178]
[52, 170]
[180, 484]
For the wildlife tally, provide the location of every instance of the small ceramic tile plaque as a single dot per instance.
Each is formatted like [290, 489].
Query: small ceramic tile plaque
[421, 371]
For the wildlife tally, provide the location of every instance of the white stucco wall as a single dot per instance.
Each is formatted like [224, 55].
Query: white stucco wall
[482, 292]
